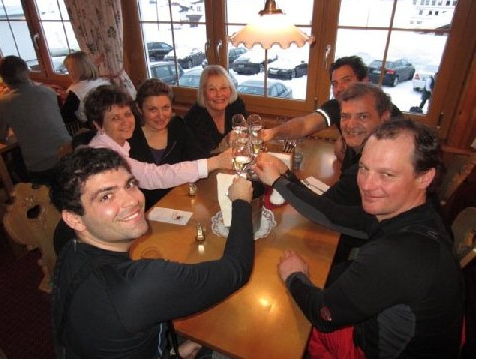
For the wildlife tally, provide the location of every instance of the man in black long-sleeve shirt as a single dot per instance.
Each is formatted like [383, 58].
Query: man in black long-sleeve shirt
[402, 296]
[105, 304]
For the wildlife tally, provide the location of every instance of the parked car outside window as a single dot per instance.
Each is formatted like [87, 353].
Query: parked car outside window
[186, 57]
[252, 62]
[394, 72]
[158, 49]
[421, 75]
[275, 88]
[191, 78]
[234, 53]
[165, 71]
[287, 68]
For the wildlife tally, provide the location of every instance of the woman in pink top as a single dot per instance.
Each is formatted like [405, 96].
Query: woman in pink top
[110, 110]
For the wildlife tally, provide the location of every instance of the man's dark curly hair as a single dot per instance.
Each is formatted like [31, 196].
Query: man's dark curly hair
[427, 152]
[355, 62]
[74, 169]
[100, 99]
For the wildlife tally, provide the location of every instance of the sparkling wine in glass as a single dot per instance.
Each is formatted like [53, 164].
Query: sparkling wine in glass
[255, 124]
[239, 124]
[242, 156]
[256, 146]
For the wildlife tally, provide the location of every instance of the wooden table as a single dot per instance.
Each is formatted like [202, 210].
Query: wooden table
[260, 320]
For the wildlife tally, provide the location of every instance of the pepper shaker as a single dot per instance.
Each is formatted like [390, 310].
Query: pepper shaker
[200, 234]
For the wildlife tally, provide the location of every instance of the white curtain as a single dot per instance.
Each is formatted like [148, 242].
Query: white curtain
[98, 27]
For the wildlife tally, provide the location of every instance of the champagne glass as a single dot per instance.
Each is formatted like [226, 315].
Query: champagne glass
[239, 124]
[255, 124]
[241, 155]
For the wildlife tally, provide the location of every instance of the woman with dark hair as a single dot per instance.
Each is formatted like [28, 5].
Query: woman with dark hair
[160, 137]
[111, 110]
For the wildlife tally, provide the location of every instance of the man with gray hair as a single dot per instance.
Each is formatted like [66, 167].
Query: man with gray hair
[364, 107]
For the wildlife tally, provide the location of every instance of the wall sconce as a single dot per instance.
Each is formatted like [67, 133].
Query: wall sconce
[270, 28]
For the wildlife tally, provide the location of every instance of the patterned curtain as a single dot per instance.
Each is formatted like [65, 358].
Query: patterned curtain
[98, 27]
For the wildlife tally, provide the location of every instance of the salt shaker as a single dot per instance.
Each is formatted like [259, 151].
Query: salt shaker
[200, 234]
[191, 189]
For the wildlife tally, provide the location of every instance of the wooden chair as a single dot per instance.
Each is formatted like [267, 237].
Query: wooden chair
[464, 229]
[31, 220]
[459, 165]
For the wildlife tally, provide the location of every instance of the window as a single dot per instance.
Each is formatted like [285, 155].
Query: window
[176, 28]
[40, 33]
[377, 30]
[401, 56]
[191, 33]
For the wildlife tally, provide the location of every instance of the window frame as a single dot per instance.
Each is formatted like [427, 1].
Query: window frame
[458, 57]
[46, 73]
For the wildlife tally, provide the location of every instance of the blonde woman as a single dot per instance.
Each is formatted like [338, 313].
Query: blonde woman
[210, 117]
[84, 76]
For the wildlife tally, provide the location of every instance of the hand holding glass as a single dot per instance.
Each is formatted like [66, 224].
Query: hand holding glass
[238, 122]
[255, 125]
[241, 155]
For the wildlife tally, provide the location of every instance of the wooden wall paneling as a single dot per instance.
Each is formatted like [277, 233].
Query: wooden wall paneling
[463, 130]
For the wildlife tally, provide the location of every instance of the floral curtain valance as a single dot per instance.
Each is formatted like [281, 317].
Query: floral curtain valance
[98, 27]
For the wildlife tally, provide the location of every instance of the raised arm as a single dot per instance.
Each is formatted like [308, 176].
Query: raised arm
[296, 127]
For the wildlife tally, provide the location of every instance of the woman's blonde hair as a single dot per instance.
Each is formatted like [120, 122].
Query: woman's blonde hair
[80, 67]
[214, 70]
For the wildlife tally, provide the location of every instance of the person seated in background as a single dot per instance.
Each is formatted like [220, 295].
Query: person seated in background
[32, 112]
[402, 295]
[162, 138]
[343, 72]
[84, 76]
[106, 305]
[210, 117]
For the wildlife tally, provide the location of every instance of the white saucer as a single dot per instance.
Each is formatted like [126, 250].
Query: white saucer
[267, 223]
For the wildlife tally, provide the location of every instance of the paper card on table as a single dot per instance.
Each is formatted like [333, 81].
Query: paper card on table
[169, 215]
[224, 181]
[315, 185]
[287, 158]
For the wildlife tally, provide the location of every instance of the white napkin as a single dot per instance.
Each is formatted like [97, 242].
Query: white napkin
[224, 182]
[168, 215]
[287, 158]
[315, 185]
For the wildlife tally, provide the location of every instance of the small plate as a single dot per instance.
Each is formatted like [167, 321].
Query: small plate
[267, 223]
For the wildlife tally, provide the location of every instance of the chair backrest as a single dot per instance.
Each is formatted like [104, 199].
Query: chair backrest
[458, 168]
[31, 220]
[464, 229]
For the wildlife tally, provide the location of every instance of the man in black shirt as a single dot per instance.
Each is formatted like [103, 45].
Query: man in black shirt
[402, 296]
[363, 108]
[343, 73]
[106, 305]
